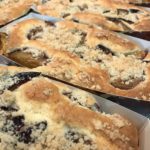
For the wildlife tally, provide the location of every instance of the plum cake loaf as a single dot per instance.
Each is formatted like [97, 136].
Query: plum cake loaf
[76, 38]
[105, 13]
[78, 54]
[38, 113]
[12, 9]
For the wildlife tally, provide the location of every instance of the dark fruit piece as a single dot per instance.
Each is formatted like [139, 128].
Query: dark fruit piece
[13, 124]
[25, 136]
[128, 21]
[41, 126]
[118, 20]
[115, 20]
[75, 137]
[104, 49]
[106, 11]
[33, 33]
[26, 59]
[123, 84]
[3, 42]
[7, 108]
[68, 94]
[23, 78]
[75, 20]
[18, 122]
[133, 10]
[94, 107]
[122, 12]
[139, 54]
[83, 38]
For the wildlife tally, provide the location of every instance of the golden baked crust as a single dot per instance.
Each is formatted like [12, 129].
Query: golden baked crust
[119, 76]
[36, 30]
[51, 115]
[65, 66]
[12, 9]
[122, 76]
[105, 13]
[78, 54]
[3, 42]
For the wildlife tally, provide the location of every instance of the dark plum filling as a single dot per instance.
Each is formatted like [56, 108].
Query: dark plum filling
[122, 12]
[65, 15]
[24, 132]
[104, 49]
[94, 107]
[13, 125]
[8, 108]
[76, 137]
[23, 78]
[24, 57]
[34, 33]
[126, 85]
[26, 136]
[134, 10]
[118, 20]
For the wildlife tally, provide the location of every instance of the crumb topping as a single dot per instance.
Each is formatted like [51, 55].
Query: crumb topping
[72, 40]
[4, 3]
[29, 124]
[127, 70]
[35, 52]
[118, 120]
[19, 131]
[126, 16]
[124, 68]
[112, 133]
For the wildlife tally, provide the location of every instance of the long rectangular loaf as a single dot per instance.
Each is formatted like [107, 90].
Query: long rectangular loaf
[108, 14]
[38, 113]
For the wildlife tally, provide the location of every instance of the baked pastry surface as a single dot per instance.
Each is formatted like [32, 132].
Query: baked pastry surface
[12, 9]
[70, 36]
[38, 113]
[95, 59]
[105, 13]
